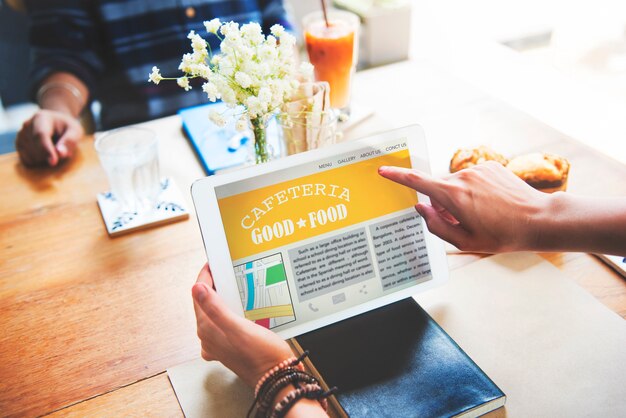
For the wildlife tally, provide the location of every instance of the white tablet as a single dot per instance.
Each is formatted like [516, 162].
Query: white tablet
[308, 240]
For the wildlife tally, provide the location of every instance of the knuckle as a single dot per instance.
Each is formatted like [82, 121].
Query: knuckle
[465, 173]
[413, 177]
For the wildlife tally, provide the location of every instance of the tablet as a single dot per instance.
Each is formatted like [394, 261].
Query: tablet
[314, 238]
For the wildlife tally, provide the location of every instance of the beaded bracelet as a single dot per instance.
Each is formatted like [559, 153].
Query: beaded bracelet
[308, 391]
[290, 362]
[269, 382]
[265, 399]
[283, 368]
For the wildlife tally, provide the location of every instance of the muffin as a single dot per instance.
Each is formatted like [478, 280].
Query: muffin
[545, 172]
[465, 158]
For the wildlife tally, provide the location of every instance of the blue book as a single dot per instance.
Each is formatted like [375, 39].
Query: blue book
[396, 361]
[219, 148]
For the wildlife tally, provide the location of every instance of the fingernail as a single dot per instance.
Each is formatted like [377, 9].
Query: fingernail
[202, 292]
[420, 209]
[382, 168]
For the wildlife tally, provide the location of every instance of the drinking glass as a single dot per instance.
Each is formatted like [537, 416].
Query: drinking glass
[129, 157]
[333, 51]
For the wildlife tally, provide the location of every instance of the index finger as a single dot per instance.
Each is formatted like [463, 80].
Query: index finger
[416, 180]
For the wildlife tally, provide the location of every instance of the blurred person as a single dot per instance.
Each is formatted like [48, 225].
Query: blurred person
[104, 50]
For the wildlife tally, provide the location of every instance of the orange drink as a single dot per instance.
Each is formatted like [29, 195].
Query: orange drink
[332, 50]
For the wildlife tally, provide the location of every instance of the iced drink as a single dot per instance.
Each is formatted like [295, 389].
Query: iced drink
[332, 51]
[129, 157]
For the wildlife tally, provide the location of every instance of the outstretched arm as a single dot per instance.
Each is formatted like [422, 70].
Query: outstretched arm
[487, 208]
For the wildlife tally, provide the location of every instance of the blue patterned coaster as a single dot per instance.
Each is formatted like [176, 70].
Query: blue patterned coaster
[171, 207]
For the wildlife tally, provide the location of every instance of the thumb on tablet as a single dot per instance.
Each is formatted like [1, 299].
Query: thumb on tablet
[205, 276]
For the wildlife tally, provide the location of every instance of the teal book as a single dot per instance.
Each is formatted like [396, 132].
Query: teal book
[396, 361]
[220, 148]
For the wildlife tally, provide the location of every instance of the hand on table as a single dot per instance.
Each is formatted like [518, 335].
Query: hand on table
[246, 348]
[35, 141]
[485, 208]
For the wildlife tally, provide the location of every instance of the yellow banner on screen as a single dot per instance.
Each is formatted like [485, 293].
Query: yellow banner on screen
[287, 212]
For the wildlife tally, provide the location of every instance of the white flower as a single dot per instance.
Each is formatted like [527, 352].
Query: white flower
[211, 91]
[228, 95]
[242, 124]
[203, 71]
[213, 25]
[197, 43]
[252, 33]
[186, 62]
[251, 70]
[243, 79]
[230, 29]
[155, 76]
[254, 106]
[265, 96]
[268, 52]
[287, 43]
[217, 118]
[184, 83]
[306, 70]
[277, 30]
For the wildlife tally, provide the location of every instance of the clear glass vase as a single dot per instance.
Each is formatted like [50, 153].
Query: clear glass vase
[304, 131]
[262, 149]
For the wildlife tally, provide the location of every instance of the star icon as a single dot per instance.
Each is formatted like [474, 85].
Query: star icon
[301, 223]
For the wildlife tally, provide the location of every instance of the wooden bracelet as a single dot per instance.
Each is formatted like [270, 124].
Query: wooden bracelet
[309, 391]
[265, 399]
[280, 366]
[290, 362]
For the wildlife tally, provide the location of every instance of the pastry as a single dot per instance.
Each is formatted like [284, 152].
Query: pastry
[545, 172]
[465, 158]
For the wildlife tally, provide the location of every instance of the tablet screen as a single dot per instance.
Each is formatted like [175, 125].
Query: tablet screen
[323, 237]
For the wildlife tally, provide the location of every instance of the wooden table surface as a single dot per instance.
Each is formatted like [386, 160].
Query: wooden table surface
[89, 324]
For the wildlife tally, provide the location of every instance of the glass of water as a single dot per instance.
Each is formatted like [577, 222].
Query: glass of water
[129, 156]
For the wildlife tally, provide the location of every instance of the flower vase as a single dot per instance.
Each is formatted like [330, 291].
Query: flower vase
[262, 150]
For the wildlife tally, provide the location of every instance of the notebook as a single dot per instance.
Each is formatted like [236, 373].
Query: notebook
[396, 361]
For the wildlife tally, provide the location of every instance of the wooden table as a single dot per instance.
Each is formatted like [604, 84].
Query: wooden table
[88, 324]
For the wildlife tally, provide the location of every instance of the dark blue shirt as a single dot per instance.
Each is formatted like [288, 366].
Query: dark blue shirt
[112, 45]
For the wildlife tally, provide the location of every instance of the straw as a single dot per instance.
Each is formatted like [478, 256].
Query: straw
[325, 13]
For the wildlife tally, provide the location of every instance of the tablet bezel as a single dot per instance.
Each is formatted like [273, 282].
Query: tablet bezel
[218, 253]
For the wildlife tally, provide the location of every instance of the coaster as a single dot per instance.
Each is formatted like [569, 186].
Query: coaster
[171, 207]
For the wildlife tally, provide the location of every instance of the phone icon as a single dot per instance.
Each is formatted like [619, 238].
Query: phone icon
[313, 308]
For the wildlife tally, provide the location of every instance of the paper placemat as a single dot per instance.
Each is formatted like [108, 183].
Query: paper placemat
[208, 389]
[554, 349]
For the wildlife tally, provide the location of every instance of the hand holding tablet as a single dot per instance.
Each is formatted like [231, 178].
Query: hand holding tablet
[302, 242]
